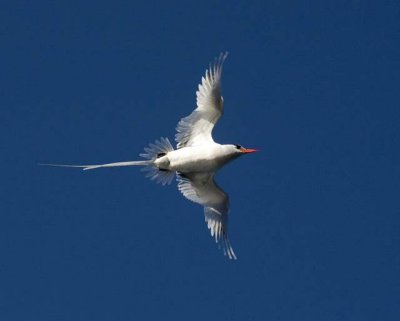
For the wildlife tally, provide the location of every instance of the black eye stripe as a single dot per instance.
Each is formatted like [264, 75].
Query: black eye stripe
[238, 146]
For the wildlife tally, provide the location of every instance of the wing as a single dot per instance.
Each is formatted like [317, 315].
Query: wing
[202, 189]
[196, 129]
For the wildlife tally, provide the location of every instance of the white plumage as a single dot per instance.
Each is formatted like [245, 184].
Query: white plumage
[196, 158]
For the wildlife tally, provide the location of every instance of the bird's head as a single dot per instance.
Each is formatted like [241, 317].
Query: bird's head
[230, 152]
[240, 150]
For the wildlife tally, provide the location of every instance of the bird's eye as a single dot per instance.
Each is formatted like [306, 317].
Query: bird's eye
[238, 146]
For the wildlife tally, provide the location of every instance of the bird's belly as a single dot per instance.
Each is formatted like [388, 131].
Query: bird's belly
[187, 161]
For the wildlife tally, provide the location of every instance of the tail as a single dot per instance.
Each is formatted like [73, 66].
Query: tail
[155, 150]
[86, 167]
[158, 149]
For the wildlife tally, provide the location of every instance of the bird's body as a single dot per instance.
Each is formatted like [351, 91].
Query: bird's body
[196, 159]
[205, 158]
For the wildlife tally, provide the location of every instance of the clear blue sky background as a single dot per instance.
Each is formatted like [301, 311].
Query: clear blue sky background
[314, 216]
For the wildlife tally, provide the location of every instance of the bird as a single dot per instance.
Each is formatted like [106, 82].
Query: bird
[196, 158]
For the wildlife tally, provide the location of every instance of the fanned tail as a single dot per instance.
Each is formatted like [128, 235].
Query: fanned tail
[156, 150]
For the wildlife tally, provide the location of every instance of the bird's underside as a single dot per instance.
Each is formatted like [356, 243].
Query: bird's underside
[196, 159]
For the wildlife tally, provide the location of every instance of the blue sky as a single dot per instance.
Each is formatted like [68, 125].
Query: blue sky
[314, 216]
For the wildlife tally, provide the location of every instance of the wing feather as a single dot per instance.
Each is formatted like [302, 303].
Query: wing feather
[202, 189]
[196, 129]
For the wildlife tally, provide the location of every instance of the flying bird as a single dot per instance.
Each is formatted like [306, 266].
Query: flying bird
[197, 157]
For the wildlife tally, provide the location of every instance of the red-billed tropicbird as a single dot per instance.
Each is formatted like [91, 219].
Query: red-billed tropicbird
[196, 158]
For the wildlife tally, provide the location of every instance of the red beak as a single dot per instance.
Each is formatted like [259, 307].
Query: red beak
[248, 150]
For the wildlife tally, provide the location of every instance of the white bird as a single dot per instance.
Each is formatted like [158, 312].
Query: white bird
[197, 157]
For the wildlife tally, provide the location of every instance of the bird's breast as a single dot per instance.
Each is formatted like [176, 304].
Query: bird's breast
[195, 159]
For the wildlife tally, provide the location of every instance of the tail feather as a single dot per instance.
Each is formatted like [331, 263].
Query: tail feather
[159, 147]
[86, 167]
[155, 150]
[131, 163]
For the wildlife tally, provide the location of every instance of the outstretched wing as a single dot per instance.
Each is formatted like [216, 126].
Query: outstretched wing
[202, 189]
[196, 129]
